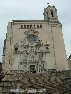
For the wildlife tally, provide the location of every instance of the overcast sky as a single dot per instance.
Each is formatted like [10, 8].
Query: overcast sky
[33, 9]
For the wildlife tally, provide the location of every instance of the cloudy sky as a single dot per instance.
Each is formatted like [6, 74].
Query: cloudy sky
[33, 9]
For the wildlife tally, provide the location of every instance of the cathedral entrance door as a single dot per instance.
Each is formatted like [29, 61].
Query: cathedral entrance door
[32, 69]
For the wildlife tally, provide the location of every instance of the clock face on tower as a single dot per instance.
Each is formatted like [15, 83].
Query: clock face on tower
[31, 38]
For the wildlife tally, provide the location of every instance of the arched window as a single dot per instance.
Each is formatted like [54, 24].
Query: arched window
[52, 13]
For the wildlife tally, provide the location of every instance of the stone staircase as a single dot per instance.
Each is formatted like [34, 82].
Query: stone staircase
[53, 82]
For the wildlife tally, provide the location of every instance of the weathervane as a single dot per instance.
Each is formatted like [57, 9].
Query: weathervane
[51, 2]
[48, 3]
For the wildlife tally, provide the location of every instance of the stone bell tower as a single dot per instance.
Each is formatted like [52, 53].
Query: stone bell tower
[35, 45]
[50, 16]
[50, 13]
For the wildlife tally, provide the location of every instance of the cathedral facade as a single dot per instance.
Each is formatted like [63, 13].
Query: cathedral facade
[34, 57]
[35, 46]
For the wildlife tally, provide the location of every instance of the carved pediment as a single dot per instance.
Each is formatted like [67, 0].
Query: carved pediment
[31, 31]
